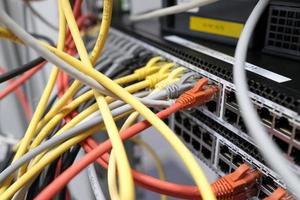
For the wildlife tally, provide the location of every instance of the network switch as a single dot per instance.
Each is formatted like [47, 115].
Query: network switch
[216, 132]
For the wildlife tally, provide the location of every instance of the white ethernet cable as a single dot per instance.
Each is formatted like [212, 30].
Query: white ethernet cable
[171, 10]
[268, 149]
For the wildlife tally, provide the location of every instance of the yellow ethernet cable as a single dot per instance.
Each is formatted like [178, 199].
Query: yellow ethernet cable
[104, 29]
[78, 118]
[30, 133]
[55, 119]
[139, 74]
[112, 177]
[96, 52]
[6, 34]
[112, 185]
[145, 71]
[172, 78]
[111, 173]
[156, 159]
[133, 88]
[126, 178]
[126, 191]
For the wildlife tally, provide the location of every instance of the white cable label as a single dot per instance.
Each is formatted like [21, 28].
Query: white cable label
[226, 58]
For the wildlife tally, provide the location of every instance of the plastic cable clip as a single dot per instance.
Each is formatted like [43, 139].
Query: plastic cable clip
[201, 93]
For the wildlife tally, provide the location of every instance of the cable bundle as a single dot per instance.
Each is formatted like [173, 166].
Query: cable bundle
[93, 94]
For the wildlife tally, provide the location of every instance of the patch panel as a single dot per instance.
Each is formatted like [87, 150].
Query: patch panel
[201, 141]
[297, 135]
[228, 155]
[281, 123]
[225, 152]
[227, 144]
[231, 116]
[230, 98]
[266, 116]
[295, 155]
[281, 144]
[214, 106]
[198, 116]
[268, 182]
[224, 166]
[267, 186]
[281, 127]
[237, 160]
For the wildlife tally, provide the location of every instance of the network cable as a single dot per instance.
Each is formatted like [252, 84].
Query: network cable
[22, 99]
[171, 10]
[268, 149]
[20, 70]
[91, 78]
[182, 103]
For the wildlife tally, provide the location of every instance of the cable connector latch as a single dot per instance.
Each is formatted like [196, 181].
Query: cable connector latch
[241, 184]
[200, 94]
[279, 194]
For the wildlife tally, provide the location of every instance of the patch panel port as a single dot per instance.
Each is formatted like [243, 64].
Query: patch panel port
[281, 144]
[196, 144]
[196, 131]
[283, 125]
[297, 135]
[223, 166]
[295, 154]
[231, 98]
[206, 153]
[178, 117]
[187, 123]
[230, 116]
[186, 137]
[177, 130]
[225, 152]
[237, 160]
[268, 183]
[211, 106]
[266, 116]
[262, 195]
[166, 121]
[242, 125]
[207, 139]
[197, 113]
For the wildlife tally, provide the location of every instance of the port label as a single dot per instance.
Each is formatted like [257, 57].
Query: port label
[226, 58]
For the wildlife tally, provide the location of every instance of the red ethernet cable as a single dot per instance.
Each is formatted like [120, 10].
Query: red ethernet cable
[15, 84]
[22, 99]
